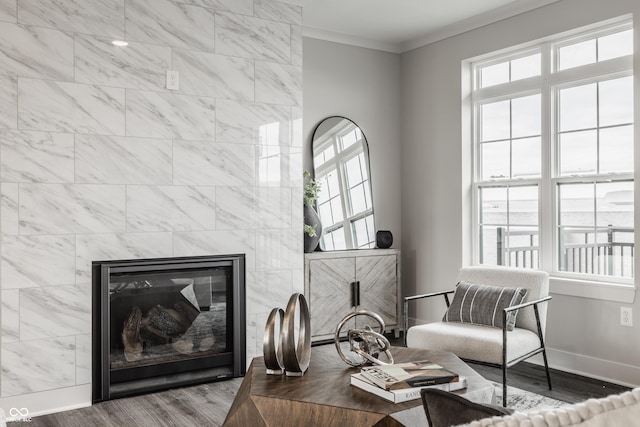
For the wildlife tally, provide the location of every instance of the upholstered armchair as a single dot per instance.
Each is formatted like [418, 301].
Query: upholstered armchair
[488, 321]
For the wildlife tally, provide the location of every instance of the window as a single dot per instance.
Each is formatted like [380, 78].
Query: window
[553, 149]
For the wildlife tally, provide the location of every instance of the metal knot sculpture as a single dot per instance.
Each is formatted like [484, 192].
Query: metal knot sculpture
[366, 343]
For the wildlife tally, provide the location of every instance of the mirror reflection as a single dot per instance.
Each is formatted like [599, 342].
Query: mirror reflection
[341, 166]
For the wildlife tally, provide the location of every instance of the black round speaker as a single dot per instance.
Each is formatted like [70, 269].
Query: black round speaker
[384, 239]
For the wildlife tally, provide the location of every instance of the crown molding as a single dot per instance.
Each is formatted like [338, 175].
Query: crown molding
[332, 36]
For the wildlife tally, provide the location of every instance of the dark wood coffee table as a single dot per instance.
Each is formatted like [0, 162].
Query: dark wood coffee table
[325, 397]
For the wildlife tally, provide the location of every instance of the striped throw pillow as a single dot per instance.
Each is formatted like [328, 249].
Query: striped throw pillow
[483, 304]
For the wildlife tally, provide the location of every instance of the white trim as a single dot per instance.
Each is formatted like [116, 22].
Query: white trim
[48, 402]
[594, 290]
[332, 36]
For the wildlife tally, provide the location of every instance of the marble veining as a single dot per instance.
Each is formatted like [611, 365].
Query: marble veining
[122, 160]
[136, 66]
[278, 11]
[208, 74]
[9, 209]
[10, 315]
[32, 366]
[79, 208]
[70, 107]
[8, 102]
[27, 156]
[206, 163]
[243, 7]
[168, 115]
[252, 123]
[8, 11]
[83, 359]
[278, 83]
[174, 24]
[278, 249]
[164, 208]
[235, 208]
[296, 45]
[278, 166]
[31, 261]
[101, 17]
[269, 289]
[238, 35]
[192, 243]
[273, 207]
[111, 246]
[35, 52]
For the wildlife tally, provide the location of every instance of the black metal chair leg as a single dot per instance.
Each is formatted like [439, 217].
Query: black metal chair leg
[504, 385]
[546, 367]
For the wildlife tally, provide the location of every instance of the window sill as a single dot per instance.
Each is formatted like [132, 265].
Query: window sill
[594, 290]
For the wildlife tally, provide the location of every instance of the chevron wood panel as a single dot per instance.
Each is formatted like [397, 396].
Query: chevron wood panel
[378, 286]
[330, 294]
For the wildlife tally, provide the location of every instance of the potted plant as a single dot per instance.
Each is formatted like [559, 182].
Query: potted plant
[312, 224]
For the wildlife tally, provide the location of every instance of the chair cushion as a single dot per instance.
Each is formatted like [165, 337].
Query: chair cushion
[472, 342]
[444, 409]
[483, 304]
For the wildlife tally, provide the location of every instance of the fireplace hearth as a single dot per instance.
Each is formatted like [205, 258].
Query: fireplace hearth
[162, 323]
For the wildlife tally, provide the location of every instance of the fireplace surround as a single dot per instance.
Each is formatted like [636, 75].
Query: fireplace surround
[166, 322]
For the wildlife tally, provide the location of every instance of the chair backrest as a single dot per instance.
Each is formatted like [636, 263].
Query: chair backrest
[537, 283]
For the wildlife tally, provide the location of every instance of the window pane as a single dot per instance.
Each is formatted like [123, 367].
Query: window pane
[615, 45]
[358, 201]
[495, 160]
[616, 101]
[614, 201]
[334, 240]
[495, 121]
[526, 157]
[324, 212]
[494, 74]
[364, 232]
[523, 205]
[576, 205]
[333, 186]
[578, 153]
[527, 66]
[616, 149]
[578, 108]
[354, 171]
[489, 244]
[336, 210]
[493, 205]
[577, 54]
[348, 139]
[525, 116]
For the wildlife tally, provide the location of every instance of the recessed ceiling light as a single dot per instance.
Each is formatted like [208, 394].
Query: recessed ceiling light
[120, 43]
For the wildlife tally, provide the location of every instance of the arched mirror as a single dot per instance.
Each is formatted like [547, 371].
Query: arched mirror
[341, 166]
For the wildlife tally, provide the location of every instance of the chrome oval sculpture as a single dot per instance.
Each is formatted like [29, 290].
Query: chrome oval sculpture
[366, 343]
[272, 348]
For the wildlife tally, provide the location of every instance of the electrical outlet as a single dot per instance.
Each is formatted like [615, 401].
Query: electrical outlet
[626, 316]
[173, 80]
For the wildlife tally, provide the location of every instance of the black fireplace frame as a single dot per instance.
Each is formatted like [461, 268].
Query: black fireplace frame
[187, 372]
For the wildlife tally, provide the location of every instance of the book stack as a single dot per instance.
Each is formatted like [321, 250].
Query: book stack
[403, 381]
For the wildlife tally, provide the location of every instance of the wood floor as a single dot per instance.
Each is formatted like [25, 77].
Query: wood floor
[208, 404]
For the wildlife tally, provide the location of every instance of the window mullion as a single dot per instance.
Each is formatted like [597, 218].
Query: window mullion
[546, 216]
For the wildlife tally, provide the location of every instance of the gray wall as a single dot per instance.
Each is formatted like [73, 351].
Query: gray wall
[584, 334]
[363, 85]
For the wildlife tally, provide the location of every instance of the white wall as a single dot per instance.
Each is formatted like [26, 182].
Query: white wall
[583, 334]
[364, 86]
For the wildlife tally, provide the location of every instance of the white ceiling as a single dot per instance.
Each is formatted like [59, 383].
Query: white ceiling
[401, 25]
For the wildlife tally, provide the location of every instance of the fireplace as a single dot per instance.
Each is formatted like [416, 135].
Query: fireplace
[162, 323]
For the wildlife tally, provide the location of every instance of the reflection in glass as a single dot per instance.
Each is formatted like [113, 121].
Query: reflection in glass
[341, 164]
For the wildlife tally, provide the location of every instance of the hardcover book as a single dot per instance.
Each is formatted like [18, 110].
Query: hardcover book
[407, 375]
[404, 394]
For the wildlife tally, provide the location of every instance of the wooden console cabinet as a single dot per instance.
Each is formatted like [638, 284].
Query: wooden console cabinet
[340, 282]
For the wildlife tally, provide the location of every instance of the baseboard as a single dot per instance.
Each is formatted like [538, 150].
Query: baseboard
[592, 367]
[45, 402]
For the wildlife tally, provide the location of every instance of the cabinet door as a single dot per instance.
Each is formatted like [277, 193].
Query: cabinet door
[330, 293]
[378, 287]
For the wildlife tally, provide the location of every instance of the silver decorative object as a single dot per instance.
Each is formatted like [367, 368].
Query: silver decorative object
[366, 343]
[296, 355]
[271, 345]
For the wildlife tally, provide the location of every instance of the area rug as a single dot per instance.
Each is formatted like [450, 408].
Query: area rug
[522, 400]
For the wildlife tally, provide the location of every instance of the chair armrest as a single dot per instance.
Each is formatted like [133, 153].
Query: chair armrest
[405, 314]
[528, 303]
[433, 294]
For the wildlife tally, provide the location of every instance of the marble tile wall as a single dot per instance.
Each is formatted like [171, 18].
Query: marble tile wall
[99, 160]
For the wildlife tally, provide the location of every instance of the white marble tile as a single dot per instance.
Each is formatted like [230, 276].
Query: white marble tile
[248, 37]
[8, 102]
[83, 359]
[173, 24]
[79, 208]
[168, 115]
[235, 208]
[243, 7]
[136, 66]
[298, 280]
[206, 163]
[278, 11]
[253, 336]
[279, 166]
[252, 123]
[164, 208]
[70, 107]
[273, 207]
[35, 52]
[296, 45]
[270, 289]
[216, 243]
[122, 160]
[8, 10]
[9, 219]
[219, 76]
[278, 249]
[32, 366]
[113, 246]
[31, 261]
[10, 316]
[36, 156]
[54, 311]
[101, 17]
[297, 140]
[278, 83]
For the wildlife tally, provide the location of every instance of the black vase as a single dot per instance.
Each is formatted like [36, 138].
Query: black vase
[311, 218]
